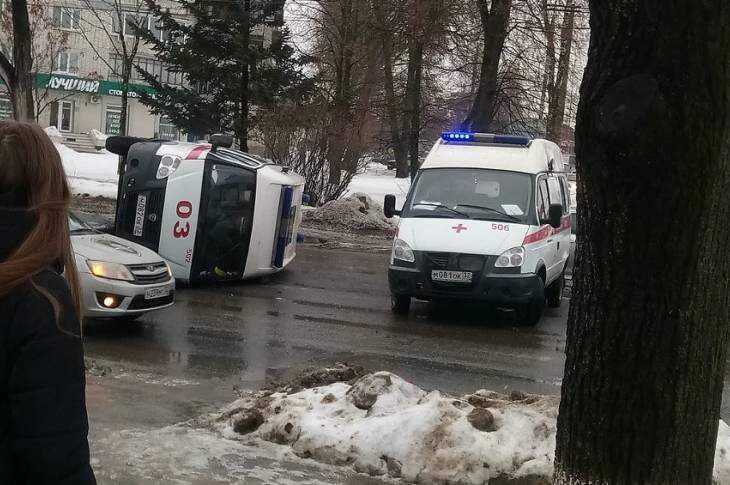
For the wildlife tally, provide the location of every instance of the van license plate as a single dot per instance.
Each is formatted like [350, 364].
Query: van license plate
[451, 276]
[139, 215]
[159, 292]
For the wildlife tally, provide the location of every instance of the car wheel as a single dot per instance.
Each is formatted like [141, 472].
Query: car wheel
[400, 304]
[533, 310]
[554, 292]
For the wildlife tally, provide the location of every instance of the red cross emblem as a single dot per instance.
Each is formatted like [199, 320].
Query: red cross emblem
[459, 228]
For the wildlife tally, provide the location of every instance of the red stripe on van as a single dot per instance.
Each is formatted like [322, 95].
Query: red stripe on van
[543, 233]
[546, 231]
[196, 152]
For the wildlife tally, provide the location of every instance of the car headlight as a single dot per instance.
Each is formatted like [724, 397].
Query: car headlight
[512, 258]
[402, 251]
[112, 271]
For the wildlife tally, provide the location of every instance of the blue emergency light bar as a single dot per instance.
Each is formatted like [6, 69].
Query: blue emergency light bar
[486, 138]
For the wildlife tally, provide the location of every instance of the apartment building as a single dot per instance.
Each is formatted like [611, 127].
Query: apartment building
[77, 57]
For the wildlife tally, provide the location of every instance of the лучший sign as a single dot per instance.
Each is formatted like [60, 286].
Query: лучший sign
[73, 84]
[90, 86]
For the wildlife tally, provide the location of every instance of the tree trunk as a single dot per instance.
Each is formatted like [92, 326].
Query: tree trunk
[494, 27]
[21, 86]
[412, 111]
[123, 128]
[548, 82]
[413, 94]
[391, 104]
[647, 331]
[556, 107]
[242, 125]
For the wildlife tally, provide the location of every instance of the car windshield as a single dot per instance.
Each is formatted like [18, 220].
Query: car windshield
[471, 193]
[77, 226]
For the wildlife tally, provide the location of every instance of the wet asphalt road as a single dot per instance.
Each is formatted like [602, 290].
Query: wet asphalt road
[329, 306]
[333, 306]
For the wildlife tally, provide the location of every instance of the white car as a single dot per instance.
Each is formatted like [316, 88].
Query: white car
[118, 278]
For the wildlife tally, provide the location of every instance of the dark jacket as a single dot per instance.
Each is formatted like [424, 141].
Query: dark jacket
[43, 422]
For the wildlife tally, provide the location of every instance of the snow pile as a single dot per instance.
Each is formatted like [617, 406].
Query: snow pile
[93, 174]
[377, 182]
[53, 133]
[355, 212]
[385, 426]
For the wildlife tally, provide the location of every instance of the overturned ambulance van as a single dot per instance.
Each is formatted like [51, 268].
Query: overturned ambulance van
[212, 212]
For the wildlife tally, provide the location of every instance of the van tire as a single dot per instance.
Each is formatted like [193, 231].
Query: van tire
[533, 310]
[554, 292]
[400, 304]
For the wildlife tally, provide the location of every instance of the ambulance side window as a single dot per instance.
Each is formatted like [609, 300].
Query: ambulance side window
[554, 191]
[543, 202]
[566, 195]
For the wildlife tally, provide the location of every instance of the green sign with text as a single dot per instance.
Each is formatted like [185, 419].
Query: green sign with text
[92, 86]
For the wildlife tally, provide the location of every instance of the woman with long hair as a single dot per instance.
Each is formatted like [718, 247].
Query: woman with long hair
[43, 421]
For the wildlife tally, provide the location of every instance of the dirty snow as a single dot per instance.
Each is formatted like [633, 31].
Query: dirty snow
[357, 211]
[182, 454]
[384, 426]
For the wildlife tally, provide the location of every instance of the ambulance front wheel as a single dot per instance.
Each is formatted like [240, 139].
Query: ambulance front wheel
[400, 304]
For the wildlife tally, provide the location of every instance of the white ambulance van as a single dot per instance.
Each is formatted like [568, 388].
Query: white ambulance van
[486, 219]
[212, 212]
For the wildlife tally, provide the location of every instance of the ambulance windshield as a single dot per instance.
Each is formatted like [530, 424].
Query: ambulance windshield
[471, 193]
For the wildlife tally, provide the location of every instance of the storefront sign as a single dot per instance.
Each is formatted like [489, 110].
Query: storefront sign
[113, 120]
[91, 86]
[6, 109]
[73, 84]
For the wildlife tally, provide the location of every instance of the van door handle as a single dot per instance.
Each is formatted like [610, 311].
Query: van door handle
[551, 240]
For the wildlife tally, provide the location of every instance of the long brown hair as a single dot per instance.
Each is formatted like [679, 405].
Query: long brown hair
[31, 164]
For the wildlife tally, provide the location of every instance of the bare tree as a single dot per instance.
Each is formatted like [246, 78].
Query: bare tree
[47, 42]
[559, 87]
[495, 21]
[121, 24]
[16, 70]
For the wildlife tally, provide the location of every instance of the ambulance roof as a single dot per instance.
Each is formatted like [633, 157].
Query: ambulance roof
[497, 152]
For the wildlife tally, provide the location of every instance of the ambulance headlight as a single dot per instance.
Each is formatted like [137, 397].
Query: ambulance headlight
[402, 251]
[512, 258]
[168, 164]
[112, 271]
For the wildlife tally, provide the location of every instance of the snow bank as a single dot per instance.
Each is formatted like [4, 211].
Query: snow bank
[94, 174]
[385, 426]
[377, 181]
[355, 212]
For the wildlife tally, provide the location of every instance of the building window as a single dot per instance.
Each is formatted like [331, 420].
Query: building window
[6, 109]
[168, 131]
[67, 62]
[66, 18]
[158, 30]
[113, 118]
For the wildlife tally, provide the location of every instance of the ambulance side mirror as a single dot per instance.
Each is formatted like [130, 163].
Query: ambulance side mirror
[389, 206]
[555, 215]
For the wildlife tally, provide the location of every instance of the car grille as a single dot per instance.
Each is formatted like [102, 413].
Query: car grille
[147, 274]
[139, 303]
[457, 261]
[438, 260]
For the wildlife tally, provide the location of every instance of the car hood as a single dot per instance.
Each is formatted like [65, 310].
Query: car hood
[461, 235]
[105, 247]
